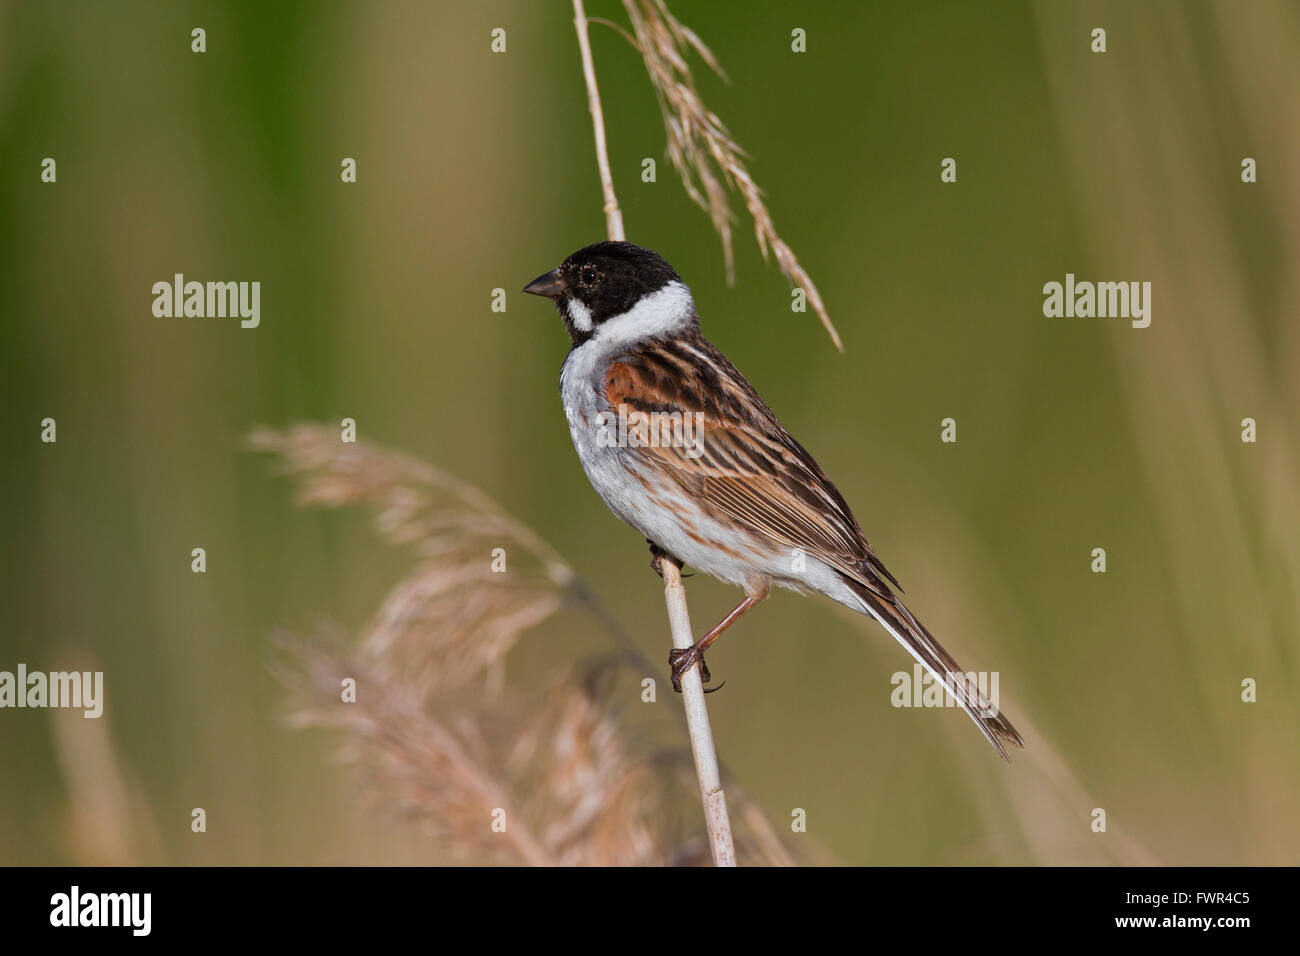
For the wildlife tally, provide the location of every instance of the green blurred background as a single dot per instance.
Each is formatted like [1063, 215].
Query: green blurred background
[476, 171]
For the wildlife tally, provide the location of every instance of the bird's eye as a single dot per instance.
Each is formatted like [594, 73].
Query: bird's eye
[588, 275]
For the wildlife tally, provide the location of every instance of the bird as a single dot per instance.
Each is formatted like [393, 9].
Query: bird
[680, 446]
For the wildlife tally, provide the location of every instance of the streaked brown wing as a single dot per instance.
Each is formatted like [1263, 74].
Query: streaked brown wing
[745, 466]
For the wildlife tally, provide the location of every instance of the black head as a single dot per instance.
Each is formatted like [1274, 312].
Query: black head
[601, 281]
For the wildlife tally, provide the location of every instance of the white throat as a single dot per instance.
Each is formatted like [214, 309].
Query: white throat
[669, 310]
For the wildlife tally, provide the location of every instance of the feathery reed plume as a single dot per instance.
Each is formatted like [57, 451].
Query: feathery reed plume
[598, 803]
[701, 148]
[575, 787]
[437, 773]
[452, 617]
[415, 503]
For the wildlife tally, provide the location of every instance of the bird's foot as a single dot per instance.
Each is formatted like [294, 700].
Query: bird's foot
[657, 557]
[682, 659]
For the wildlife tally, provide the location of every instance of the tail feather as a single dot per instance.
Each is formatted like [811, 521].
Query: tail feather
[920, 643]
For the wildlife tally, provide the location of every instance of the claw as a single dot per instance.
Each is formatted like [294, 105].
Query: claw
[683, 659]
[657, 555]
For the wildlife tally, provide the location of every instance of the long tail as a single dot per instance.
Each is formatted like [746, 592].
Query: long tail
[920, 643]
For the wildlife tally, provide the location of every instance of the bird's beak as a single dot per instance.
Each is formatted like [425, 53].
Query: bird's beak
[548, 284]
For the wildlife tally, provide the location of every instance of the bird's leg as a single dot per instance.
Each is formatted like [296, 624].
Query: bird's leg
[683, 659]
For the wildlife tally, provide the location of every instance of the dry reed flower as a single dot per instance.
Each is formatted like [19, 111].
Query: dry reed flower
[452, 617]
[435, 772]
[701, 148]
[576, 788]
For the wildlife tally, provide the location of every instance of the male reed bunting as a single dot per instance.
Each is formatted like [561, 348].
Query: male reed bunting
[743, 501]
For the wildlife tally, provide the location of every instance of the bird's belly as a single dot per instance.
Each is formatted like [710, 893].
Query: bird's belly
[657, 508]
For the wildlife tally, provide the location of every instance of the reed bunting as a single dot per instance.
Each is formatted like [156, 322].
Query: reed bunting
[680, 446]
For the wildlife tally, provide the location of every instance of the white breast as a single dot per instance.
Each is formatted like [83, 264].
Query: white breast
[659, 511]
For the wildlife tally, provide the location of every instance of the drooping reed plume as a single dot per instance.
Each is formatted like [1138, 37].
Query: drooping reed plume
[706, 156]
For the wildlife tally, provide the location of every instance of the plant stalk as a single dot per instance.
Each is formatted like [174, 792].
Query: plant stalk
[705, 753]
